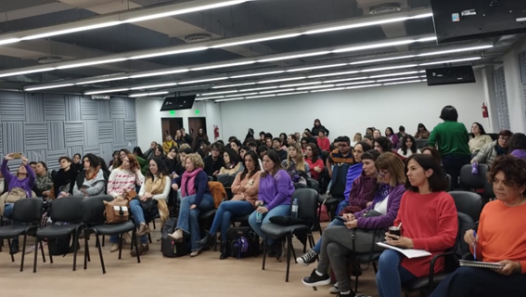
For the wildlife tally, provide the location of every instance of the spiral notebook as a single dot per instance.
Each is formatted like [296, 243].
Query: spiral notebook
[409, 253]
[478, 264]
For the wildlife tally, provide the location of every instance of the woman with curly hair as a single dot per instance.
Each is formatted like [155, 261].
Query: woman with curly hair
[500, 238]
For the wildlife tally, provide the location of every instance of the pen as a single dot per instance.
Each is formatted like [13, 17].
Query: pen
[475, 245]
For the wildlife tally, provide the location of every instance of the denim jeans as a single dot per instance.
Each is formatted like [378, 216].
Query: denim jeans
[138, 216]
[391, 274]
[341, 206]
[189, 218]
[280, 210]
[317, 247]
[470, 281]
[226, 210]
[8, 213]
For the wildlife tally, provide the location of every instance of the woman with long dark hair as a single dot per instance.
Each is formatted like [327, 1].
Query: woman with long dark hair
[421, 132]
[314, 161]
[319, 127]
[245, 189]
[408, 146]
[478, 138]
[389, 133]
[90, 181]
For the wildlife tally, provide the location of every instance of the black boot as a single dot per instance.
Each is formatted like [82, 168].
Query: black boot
[14, 248]
[207, 241]
[224, 250]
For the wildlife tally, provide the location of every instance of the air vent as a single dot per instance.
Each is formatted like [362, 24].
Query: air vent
[49, 59]
[200, 37]
[384, 8]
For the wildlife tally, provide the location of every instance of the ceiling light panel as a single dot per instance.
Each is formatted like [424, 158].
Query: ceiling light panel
[398, 78]
[403, 82]
[208, 98]
[292, 93]
[382, 60]
[362, 87]
[280, 80]
[47, 87]
[89, 82]
[258, 89]
[301, 84]
[233, 85]
[394, 74]
[356, 83]
[167, 53]
[321, 53]
[345, 79]
[327, 90]
[230, 99]
[244, 94]
[222, 66]
[333, 74]
[257, 74]
[261, 96]
[106, 91]
[158, 73]
[317, 67]
[277, 91]
[147, 94]
[451, 61]
[255, 40]
[314, 87]
[202, 80]
[218, 93]
[389, 68]
[154, 86]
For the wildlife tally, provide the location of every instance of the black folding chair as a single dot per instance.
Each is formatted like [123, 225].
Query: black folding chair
[67, 211]
[307, 205]
[93, 209]
[468, 202]
[28, 213]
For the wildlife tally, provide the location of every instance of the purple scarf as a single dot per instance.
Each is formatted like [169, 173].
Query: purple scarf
[188, 182]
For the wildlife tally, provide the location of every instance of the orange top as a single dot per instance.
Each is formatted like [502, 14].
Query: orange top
[246, 189]
[502, 233]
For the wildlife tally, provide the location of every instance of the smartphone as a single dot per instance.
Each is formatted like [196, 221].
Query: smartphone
[341, 219]
[17, 155]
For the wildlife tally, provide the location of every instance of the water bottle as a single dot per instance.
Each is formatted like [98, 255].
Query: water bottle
[259, 217]
[294, 209]
[475, 168]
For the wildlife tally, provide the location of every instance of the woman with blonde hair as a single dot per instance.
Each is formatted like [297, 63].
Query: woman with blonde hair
[196, 197]
[357, 138]
[295, 165]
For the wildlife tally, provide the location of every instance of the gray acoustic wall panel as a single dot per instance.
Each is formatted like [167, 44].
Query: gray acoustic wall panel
[12, 107]
[46, 126]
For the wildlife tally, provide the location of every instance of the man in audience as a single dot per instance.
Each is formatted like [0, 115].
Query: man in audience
[401, 133]
[187, 138]
[262, 151]
[277, 146]
[253, 146]
[262, 136]
[338, 164]
[214, 162]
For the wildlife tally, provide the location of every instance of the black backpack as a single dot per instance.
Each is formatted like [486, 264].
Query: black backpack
[169, 247]
[242, 242]
[59, 246]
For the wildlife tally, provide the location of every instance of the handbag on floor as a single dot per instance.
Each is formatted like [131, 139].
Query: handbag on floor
[169, 247]
[242, 242]
[116, 211]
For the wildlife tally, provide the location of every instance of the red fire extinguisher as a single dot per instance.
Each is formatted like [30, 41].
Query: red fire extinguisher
[484, 110]
[216, 132]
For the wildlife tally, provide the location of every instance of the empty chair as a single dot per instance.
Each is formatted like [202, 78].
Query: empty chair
[468, 181]
[67, 211]
[468, 202]
[27, 214]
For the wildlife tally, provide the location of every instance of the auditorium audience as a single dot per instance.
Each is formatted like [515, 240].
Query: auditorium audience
[517, 145]
[168, 144]
[235, 145]
[383, 144]
[292, 139]
[66, 177]
[369, 140]
[233, 164]
[200, 138]
[295, 165]
[214, 162]
[377, 133]
[245, 189]
[357, 138]
[338, 164]
[361, 194]
[196, 197]
[429, 222]
[171, 160]
[492, 150]
[478, 138]
[278, 147]
[323, 142]
[179, 139]
[421, 132]
[401, 132]
[90, 181]
[143, 161]
[148, 154]
[369, 131]
[500, 238]
[275, 195]
[361, 230]
[389, 133]
[432, 151]
[43, 181]
[408, 146]
[452, 140]
[318, 127]
[262, 151]
[313, 160]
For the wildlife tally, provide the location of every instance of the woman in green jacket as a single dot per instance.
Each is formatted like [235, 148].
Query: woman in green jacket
[143, 163]
[452, 139]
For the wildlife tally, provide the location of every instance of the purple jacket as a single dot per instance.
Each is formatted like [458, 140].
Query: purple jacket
[13, 182]
[385, 221]
[519, 153]
[362, 191]
[276, 190]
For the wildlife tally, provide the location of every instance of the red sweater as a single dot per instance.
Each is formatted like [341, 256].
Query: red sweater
[324, 144]
[315, 175]
[430, 220]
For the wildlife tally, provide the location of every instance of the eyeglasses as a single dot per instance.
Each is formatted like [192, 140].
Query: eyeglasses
[505, 139]
[383, 173]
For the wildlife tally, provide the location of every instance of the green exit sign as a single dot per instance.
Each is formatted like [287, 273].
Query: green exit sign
[172, 112]
[197, 111]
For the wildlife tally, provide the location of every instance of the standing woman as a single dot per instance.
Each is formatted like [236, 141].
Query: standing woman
[90, 181]
[429, 222]
[196, 197]
[156, 186]
[408, 146]
[389, 133]
[421, 132]
[295, 165]
[478, 138]
[44, 181]
[245, 189]
[275, 195]
[452, 140]
[314, 161]
[319, 127]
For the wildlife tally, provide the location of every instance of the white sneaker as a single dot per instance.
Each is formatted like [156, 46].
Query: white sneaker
[307, 259]
[334, 289]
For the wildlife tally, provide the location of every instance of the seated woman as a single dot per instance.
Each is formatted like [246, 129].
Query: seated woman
[432, 151]
[90, 181]
[168, 143]
[517, 145]
[429, 222]
[117, 162]
[25, 180]
[357, 138]
[245, 189]
[275, 195]
[66, 177]
[158, 153]
[421, 132]
[314, 161]
[478, 138]
[408, 146]
[43, 181]
[389, 133]
[156, 186]
[494, 149]
[295, 165]
[122, 180]
[233, 166]
[361, 230]
[196, 197]
[362, 193]
[500, 238]
[172, 160]
[141, 158]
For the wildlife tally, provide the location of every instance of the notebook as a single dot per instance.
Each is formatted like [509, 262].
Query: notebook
[409, 253]
[479, 264]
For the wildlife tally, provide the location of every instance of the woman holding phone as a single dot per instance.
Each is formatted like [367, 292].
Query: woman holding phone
[429, 222]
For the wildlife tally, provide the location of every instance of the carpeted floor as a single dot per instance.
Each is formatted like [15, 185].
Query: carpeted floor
[204, 275]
